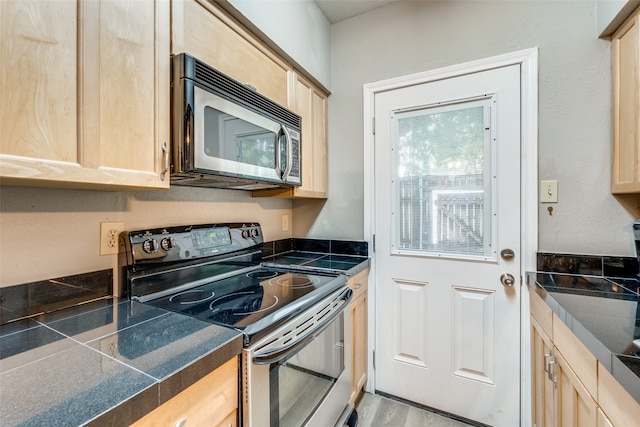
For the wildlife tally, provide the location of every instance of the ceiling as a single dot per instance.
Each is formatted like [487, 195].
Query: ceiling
[338, 10]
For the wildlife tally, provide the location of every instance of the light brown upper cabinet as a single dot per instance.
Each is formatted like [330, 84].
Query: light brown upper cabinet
[310, 102]
[210, 34]
[85, 93]
[626, 106]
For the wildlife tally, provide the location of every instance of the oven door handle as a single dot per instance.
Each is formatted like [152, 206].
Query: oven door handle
[282, 353]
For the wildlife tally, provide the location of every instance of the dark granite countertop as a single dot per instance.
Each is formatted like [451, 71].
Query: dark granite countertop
[346, 264]
[107, 362]
[72, 355]
[604, 313]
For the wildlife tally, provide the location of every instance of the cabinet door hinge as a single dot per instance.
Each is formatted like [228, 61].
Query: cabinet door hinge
[374, 359]
[374, 243]
[373, 125]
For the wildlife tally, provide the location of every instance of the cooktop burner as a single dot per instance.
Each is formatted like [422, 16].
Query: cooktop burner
[262, 274]
[249, 301]
[297, 281]
[242, 304]
[192, 296]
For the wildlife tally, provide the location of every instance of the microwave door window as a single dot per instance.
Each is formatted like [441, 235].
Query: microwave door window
[256, 149]
[235, 141]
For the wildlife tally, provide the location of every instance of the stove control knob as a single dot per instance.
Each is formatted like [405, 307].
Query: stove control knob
[245, 234]
[150, 246]
[254, 232]
[167, 244]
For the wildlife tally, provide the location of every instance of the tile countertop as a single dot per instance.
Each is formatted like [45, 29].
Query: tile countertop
[111, 361]
[604, 313]
[346, 264]
[107, 362]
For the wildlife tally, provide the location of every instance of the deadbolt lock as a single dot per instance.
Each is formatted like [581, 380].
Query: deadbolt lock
[507, 254]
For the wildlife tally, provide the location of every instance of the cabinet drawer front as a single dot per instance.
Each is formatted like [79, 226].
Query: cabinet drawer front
[583, 363]
[359, 283]
[616, 403]
[541, 312]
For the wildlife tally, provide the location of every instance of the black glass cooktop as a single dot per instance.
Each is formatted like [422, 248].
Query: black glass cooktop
[253, 302]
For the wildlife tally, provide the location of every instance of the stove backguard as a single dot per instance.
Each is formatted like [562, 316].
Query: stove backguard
[160, 258]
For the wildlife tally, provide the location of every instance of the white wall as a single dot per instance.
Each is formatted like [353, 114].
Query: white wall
[574, 106]
[298, 27]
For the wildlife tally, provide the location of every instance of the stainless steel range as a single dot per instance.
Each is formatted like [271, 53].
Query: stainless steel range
[296, 356]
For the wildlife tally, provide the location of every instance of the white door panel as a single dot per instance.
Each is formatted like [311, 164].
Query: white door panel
[447, 201]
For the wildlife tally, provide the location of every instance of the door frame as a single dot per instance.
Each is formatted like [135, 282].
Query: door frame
[528, 61]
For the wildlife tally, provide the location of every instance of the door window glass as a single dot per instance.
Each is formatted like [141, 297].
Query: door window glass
[442, 180]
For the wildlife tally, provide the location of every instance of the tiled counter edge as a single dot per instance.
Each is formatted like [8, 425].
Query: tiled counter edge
[107, 362]
[627, 378]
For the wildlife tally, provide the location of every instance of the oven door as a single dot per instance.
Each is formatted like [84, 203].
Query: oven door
[300, 375]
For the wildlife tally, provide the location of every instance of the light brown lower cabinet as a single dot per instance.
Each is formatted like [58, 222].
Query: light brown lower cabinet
[603, 421]
[574, 405]
[569, 386]
[618, 405]
[358, 307]
[212, 401]
[559, 397]
[542, 386]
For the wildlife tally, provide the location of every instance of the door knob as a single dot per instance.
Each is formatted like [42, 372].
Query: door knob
[507, 279]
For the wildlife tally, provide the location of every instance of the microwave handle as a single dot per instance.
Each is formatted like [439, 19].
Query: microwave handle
[289, 165]
[277, 153]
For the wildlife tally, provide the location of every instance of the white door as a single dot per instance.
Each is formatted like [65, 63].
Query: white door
[447, 203]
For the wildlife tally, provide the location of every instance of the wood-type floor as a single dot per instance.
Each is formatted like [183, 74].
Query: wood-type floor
[377, 411]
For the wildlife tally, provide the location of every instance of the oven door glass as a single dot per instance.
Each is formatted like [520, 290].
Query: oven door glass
[299, 383]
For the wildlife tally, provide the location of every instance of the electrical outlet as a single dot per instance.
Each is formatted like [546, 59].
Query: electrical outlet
[110, 237]
[285, 222]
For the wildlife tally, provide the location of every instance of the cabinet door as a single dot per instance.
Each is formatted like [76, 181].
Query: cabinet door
[603, 421]
[359, 331]
[207, 32]
[212, 401]
[86, 93]
[358, 309]
[125, 98]
[542, 386]
[39, 78]
[626, 96]
[311, 104]
[574, 405]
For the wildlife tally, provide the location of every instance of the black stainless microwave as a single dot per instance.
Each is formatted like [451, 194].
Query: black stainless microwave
[227, 135]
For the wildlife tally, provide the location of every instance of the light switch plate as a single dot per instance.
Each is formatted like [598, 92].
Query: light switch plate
[549, 191]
